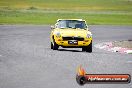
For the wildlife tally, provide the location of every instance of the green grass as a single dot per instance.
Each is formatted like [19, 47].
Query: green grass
[111, 12]
[116, 5]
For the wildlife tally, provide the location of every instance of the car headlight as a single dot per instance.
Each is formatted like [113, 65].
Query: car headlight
[89, 35]
[58, 34]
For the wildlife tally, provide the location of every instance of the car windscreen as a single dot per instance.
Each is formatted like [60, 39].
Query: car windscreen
[71, 24]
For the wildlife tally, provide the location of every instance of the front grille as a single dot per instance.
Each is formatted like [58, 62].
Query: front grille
[73, 38]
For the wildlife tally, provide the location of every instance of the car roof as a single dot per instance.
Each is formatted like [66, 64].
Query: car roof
[71, 19]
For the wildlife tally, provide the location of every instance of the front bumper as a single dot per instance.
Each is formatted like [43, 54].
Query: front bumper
[61, 42]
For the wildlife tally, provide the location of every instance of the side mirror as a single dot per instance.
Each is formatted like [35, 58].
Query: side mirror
[52, 27]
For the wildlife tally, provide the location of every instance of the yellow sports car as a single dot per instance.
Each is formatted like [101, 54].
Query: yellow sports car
[71, 33]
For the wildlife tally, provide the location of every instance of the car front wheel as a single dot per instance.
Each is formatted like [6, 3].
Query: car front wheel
[51, 46]
[88, 48]
[83, 49]
[54, 46]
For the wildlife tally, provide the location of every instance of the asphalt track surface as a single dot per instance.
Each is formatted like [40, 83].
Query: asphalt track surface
[26, 60]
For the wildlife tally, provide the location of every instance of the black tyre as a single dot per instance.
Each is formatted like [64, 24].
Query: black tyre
[51, 46]
[89, 48]
[83, 49]
[55, 46]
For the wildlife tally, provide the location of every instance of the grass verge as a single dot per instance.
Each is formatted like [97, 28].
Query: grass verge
[49, 17]
[106, 12]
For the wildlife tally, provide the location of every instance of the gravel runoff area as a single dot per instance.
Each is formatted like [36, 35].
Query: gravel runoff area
[124, 44]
